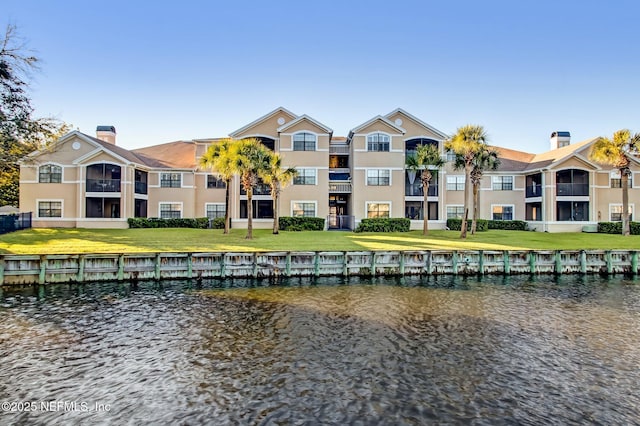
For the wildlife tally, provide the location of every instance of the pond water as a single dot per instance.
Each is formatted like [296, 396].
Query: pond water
[324, 351]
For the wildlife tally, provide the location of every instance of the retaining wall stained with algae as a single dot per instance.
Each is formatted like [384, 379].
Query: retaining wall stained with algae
[33, 269]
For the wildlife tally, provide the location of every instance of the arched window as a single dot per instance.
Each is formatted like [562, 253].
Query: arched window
[304, 142]
[411, 145]
[50, 173]
[378, 142]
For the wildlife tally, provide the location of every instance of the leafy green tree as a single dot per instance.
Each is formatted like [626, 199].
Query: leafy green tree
[251, 162]
[277, 178]
[426, 159]
[221, 157]
[20, 133]
[466, 144]
[617, 152]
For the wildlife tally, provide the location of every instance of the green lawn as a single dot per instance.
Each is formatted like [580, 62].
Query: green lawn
[72, 241]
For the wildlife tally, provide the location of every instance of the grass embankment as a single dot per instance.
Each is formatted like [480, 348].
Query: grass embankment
[73, 241]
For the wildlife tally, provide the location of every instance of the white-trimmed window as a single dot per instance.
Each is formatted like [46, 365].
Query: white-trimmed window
[49, 208]
[378, 177]
[455, 183]
[455, 212]
[214, 210]
[451, 156]
[304, 141]
[305, 177]
[502, 212]
[214, 181]
[303, 208]
[170, 210]
[375, 210]
[502, 183]
[616, 179]
[378, 142]
[170, 180]
[615, 212]
[49, 173]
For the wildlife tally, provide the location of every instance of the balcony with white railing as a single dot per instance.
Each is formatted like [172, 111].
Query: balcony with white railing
[337, 186]
[339, 149]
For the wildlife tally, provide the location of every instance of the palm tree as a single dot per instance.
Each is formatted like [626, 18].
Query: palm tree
[617, 152]
[465, 144]
[486, 159]
[221, 158]
[277, 178]
[427, 158]
[250, 163]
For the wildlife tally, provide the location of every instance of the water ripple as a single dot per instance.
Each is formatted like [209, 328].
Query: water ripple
[383, 351]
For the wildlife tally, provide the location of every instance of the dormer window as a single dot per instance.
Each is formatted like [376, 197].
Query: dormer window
[378, 142]
[50, 173]
[304, 142]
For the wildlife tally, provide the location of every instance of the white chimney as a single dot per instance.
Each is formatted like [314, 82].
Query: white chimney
[106, 134]
[560, 139]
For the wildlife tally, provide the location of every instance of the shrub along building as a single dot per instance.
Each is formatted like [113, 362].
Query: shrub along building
[86, 181]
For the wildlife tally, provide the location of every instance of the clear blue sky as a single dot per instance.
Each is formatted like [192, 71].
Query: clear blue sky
[166, 71]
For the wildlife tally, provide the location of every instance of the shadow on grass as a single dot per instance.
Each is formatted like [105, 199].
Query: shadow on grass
[389, 242]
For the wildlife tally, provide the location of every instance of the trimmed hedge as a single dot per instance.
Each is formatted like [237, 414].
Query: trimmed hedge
[616, 228]
[301, 223]
[217, 223]
[509, 225]
[399, 224]
[154, 222]
[456, 224]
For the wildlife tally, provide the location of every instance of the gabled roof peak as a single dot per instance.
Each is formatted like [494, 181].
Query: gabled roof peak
[301, 118]
[263, 118]
[440, 134]
[374, 119]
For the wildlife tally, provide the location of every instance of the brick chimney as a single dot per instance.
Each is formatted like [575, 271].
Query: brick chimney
[106, 134]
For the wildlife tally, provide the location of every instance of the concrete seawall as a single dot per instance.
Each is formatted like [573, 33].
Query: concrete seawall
[44, 269]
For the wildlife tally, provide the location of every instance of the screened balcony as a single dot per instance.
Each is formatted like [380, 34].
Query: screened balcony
[103, 207]
[533, 186]
[140, 182]
[413, 184]
[572, 183]
[103, 178]
[260, 189]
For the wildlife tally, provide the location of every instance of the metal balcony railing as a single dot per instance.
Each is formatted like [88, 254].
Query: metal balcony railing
[340, 187]
[572, 189]
[533, 191]
[415, 190]
[141, 187]
[103, 185]
[339, 149]
[260, 189]
[339, 170]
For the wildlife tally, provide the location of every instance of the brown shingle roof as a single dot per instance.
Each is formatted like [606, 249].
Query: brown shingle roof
[512, 160]
[176, 155]
[122, 152]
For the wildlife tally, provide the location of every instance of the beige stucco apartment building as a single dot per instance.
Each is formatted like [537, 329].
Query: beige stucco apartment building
[86, 181]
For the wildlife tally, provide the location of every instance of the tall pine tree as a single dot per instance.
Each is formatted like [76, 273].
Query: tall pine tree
[20, 132]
